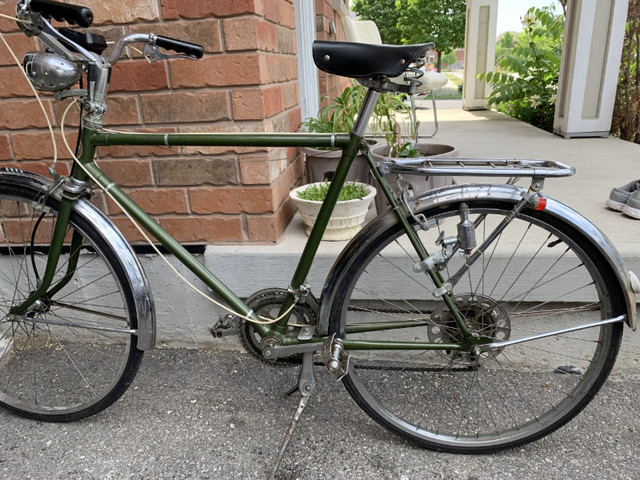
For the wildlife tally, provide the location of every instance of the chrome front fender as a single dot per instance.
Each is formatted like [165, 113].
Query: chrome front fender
[456, 193]
[143, 299]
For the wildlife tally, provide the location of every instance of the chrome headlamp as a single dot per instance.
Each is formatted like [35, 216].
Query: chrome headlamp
[49, 73]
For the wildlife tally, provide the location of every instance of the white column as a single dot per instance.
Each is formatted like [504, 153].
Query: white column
[594, 34]
[307, 71]
[479, 51]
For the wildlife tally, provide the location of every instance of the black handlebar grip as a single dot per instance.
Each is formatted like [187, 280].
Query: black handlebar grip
[179, 46]
[63, 12]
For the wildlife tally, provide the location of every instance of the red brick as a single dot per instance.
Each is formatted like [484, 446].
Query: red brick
[290, 95]
[266, 33]
[269, 228]
[138, 75]
[255, 170]
[13, 83]
[295, 117]
[272, 100]
[18, 114]
[122, 110]
[185, 107]
[204, 229]
[231, 200]
[156, 201]
[130, 173]
[6, 25]
[172, 9]
[248, 104]
[272, 10]
[240, 33]
[195, 171]
[122, 12]
[287, 15]
[19, 43]
[218, 71]
[35, 146]
[5, 148]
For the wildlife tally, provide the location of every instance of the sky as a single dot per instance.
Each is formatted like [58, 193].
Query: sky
[510, 11]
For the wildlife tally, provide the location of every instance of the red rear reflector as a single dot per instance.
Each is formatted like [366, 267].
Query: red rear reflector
[542, 203]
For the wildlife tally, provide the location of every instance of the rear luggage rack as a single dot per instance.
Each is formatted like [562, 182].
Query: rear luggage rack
[476, 167]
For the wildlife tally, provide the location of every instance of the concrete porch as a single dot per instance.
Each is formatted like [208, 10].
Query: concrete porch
[600, 165]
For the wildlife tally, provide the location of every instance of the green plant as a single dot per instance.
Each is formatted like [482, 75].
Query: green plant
[626, 114]
[407, 150]
[339, 116]
[525, 82]
[318, 191]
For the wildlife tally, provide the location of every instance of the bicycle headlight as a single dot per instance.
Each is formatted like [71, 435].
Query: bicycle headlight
[49, 72]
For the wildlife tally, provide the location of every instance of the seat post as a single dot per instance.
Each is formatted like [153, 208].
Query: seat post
[366, 111]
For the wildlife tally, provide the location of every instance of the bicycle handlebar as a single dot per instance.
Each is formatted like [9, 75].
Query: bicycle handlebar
[63, 12]
[190, 49]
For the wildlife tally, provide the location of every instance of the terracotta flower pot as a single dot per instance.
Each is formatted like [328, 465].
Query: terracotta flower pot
[346, 219]
[419, 183]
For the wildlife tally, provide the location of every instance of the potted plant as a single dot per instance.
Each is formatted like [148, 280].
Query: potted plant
[397, 146]
[348, 214]
[339, 116]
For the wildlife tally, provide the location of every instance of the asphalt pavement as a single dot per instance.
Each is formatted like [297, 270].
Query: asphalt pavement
[212, 414]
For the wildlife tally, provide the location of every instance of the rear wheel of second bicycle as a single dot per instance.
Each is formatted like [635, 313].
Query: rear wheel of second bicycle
[539, 276]
[74, 354]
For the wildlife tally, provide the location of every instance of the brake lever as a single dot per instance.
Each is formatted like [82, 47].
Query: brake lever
[154, 54]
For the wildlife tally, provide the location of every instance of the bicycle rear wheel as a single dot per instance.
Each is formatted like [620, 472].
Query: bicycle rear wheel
[72, 354]
[539, 275]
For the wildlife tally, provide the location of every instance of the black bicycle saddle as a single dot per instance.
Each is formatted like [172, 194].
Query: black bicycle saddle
[366, 60]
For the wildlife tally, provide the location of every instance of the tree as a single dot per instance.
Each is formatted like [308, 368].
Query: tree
[438, 21]
[385, 15]
[417, 21]
[449, 58]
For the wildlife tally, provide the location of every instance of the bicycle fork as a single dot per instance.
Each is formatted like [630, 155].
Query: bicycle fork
[72, 190]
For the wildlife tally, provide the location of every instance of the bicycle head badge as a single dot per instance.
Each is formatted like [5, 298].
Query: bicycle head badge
[49, 72]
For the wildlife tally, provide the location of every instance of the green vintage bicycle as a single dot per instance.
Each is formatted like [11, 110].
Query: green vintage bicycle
[467, 319]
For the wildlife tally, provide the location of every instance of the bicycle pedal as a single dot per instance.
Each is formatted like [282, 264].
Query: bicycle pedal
[225, 326]
[338, 359]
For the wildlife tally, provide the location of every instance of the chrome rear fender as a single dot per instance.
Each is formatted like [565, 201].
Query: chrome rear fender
[453, 194]
[143, 299]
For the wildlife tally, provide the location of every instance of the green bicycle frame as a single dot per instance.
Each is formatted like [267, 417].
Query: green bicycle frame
[350, 144]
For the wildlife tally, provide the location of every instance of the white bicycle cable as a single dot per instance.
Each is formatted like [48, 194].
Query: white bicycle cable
[262, 321]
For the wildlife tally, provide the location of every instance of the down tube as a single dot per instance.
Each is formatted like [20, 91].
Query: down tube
[167, 241]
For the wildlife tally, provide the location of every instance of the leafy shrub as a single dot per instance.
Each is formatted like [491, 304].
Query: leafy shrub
[525, 82]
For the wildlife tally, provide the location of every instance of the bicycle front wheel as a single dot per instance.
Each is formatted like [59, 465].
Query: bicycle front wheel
[538, 276]
[72, 353]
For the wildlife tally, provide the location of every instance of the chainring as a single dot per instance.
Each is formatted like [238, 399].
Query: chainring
[267, 303]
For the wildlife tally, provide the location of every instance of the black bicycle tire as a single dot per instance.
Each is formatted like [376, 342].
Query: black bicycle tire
[367, 250]
[112, 259]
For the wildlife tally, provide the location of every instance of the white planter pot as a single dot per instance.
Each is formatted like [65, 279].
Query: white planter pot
[346, 219]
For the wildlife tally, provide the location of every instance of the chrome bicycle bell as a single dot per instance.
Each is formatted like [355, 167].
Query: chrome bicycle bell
[49, 73]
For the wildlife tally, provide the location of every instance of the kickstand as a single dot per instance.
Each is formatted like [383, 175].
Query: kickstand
[306, 386]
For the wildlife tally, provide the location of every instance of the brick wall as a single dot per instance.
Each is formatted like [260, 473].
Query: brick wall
[329, 85]
[247, 81]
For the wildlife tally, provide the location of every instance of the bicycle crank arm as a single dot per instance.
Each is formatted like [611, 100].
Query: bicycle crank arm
[493, 346]
[279, 351]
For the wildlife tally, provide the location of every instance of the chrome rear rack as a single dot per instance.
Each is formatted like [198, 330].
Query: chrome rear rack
[476, 167]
